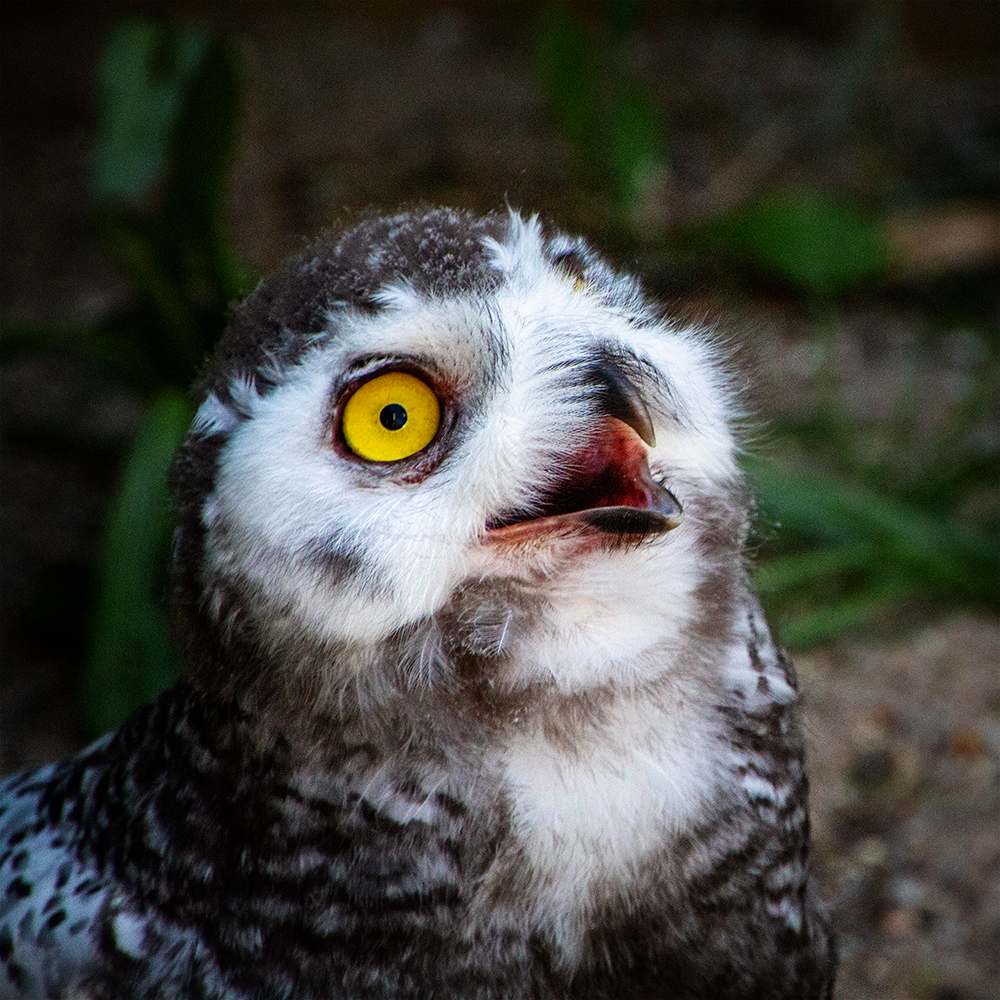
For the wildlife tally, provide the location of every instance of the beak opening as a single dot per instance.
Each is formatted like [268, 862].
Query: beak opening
[608, 489]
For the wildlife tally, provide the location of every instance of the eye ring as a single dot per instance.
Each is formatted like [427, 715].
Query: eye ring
[389, 417]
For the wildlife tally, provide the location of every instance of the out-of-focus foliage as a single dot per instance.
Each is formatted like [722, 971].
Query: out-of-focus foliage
[607, 116]
[167, 102]
[821, 246]
[168, 109]
[132, 656]
[143, 77]
[850, 552]
[846, 538]
[161, 208]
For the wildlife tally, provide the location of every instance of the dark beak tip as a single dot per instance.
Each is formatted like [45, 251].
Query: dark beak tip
[634, 521]
[668, 506]
[673, 520]
[621, 400]
[639, 420]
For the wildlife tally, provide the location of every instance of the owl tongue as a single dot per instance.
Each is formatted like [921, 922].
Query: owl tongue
[608, 488]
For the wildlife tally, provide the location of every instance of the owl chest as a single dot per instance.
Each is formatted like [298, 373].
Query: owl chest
[586, 817]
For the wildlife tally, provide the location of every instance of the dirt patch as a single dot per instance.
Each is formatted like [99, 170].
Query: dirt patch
[904, 745]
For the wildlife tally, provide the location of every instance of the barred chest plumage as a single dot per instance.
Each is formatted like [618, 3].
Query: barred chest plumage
[480, 704]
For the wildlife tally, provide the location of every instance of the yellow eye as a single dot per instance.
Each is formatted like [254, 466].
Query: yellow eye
[390, 417]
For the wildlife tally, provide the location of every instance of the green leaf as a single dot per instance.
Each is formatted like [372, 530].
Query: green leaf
[20, 338]
[802, 569]
[142, 79]
[202, 148]
[566, 60]
[636, 143]
[104, 345]
[840, 617]
[131, 657]
[173, 251]
[819, 244]
[173, 330]
[936, 554]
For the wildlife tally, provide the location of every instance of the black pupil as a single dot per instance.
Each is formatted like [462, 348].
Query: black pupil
[392, 417]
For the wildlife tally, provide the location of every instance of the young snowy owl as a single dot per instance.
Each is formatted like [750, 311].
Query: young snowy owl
[480, 703]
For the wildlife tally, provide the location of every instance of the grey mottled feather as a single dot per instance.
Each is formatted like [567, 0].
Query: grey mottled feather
[379, 780]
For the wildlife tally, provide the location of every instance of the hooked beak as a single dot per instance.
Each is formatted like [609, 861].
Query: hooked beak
[607, 488]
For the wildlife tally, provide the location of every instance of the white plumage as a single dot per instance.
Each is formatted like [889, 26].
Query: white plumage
[499, 718]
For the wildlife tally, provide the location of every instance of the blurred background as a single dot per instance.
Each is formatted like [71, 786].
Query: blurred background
[818, 181]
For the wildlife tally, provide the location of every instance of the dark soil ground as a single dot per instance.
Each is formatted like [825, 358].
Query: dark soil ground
[441, 104]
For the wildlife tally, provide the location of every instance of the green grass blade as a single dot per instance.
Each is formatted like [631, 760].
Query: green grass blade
[567, 65]
[142, 76]
[829, 623]
[636, 143]
[802, 569]
[131, 657]
[818, 244]
[934, 553]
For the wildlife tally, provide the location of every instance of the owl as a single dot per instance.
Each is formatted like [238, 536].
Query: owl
[479, 701]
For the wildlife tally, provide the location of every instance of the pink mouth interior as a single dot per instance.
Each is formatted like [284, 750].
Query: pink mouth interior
[610, 472]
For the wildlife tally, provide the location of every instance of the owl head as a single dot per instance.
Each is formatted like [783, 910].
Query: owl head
[441, 450]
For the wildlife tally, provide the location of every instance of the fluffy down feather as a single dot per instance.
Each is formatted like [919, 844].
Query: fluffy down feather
[502, 719]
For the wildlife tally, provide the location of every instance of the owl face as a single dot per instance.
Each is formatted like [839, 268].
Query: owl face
[510, 457]
[480, 701]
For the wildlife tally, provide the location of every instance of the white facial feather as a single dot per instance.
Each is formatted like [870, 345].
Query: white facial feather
[284, 496]
[501, 682]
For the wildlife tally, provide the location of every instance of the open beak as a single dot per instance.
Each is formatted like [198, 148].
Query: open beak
[607, 488]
